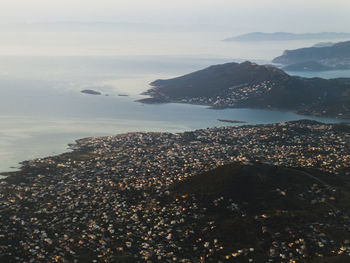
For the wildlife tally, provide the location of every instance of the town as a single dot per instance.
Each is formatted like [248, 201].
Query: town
[106, 200]
[232, 96]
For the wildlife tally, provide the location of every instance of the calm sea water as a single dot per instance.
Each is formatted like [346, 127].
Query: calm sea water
[42, 109]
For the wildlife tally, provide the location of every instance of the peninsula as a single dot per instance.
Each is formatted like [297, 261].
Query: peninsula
[309, 66]
[332, 56]
[248, 85]
[279, 36]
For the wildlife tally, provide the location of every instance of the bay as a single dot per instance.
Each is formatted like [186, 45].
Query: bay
[42, 109]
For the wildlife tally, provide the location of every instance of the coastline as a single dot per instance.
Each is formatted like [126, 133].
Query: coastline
[158, 100]
[78, 151]
[213, 122]
[74, 152]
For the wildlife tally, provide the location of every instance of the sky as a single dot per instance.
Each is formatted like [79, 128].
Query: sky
[256, 15]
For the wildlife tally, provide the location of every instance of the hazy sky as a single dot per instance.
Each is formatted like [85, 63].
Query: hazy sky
[273, 15]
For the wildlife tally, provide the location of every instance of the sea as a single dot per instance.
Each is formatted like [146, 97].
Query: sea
[42, 73]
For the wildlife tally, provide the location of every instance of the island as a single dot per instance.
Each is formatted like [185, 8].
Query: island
[231, 121]
[335, 56]
[267, 193]
[280, 36]
[249, 85]
[91, 92]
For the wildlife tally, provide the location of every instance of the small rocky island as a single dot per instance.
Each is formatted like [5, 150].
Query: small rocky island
[249, 85]
[231, 121]
[91, 92]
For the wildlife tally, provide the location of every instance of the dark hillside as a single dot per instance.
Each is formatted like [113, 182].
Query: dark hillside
[214, 79]
[266, 207]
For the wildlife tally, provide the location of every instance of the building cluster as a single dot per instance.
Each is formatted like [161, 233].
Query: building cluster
[111, 201]
[231, 96]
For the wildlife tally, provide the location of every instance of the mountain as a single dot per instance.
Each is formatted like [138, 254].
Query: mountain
[256, 205]
[248, 85]
[210, 81]
[260, 36]
[335, 56]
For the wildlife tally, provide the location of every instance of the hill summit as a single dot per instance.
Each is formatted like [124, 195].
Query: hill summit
[210, 81]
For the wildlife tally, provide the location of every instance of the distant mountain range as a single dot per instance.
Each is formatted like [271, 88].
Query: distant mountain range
[336, 56]
[260, 36]
[248, 85]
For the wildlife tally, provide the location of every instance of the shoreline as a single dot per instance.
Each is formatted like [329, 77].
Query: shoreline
[78, 151]
[154, 101]
[69, 147]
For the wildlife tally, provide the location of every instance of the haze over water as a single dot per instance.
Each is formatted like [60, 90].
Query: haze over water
[42, 74]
